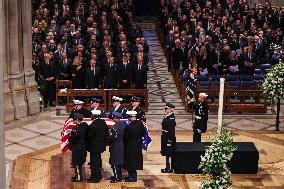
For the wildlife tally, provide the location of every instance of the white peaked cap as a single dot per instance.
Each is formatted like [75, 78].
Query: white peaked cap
[204, 95]
[77, 102]
[131, 112]
[117, 98]
[96, 112]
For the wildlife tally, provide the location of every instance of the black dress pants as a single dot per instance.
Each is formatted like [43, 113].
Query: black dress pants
[96, 164]
[196, 136]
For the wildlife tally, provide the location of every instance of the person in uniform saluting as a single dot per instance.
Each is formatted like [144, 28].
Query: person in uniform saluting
[78, 146]
[96, 135]
[116, 146]
[201, 117]
[133, 159]
[168, 138]
[80, 109]
[135, 103]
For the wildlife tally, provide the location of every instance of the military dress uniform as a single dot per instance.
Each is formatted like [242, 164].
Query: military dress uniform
[97, 100]
[168, 138]
[78, 147]
[116, 148]
[83, 111]
[140, 113]
[200, 121]
[96, 135]
[133, 159]
[120, 108]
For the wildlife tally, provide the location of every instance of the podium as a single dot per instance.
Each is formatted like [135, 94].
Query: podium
[186, 158]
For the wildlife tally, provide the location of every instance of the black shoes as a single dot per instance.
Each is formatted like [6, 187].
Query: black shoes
[167, 170]
[130, 180]
[115, 180]
[75, 179]
[93, 180]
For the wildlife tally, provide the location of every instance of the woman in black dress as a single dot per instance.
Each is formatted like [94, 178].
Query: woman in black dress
[78, 74]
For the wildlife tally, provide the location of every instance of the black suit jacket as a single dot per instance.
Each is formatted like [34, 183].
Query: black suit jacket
[64, 69]
[96, 135]
[111, 76]
[140, 76]
[125, 73]
[47, 70]
[92, 80]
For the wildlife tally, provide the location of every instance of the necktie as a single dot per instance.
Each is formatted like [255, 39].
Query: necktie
[139, 67]
[94, 70]
[124, 65]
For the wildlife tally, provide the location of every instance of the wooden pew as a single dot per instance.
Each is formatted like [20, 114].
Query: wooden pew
[126, 94]
[106, 95]
[246, 107]
[71, 93]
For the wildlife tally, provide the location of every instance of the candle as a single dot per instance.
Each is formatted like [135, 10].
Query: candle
[220, 109]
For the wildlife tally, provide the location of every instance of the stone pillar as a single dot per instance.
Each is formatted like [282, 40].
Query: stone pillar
[9, 108]
[16, 59]
[29, 79]
[2, 125]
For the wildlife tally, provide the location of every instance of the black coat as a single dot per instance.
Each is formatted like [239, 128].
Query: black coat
[111, 76]
[47, 70]
[64, 69]
[83, 111]
[78, 144]
[168, 138]
[78, 77]
[116, 142]
[201, 116]
[140, 76]
[133, 146]
[93, 80]
[96, 135]
[125, 73]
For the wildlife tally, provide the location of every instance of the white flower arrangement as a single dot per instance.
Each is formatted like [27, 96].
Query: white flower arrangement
[273, 85]
[214, 162]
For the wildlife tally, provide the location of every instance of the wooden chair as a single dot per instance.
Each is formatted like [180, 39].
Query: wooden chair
[59, 92]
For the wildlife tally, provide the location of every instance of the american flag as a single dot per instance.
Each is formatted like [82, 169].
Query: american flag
[191, 88]
[68, 126]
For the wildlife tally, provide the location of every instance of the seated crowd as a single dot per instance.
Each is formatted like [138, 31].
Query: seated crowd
[95, 44]
[221, 37]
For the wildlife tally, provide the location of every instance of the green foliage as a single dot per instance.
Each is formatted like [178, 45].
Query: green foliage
[214, 162]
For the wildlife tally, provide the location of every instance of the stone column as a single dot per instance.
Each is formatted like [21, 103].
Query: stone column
[29, 79]
[9, 108]
[16, 60]
[2, 126]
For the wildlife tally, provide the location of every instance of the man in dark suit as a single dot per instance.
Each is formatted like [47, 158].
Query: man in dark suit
[133, 134]
[93, 76]
[125, 73]
[96, 134]
[64, 67]
[47, 72]
[249, 59]
[201, 117]
[111, 75]
[140, 74]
